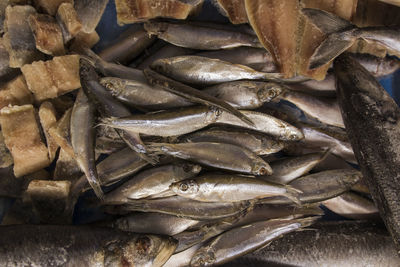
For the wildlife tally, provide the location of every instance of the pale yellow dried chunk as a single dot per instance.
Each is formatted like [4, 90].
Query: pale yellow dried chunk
[83, 39]
[52, 78]
[48, 118]
[48, 35]
[131, 11]
[69, 18]
[50, 6]
[22, 137]
[15, 92]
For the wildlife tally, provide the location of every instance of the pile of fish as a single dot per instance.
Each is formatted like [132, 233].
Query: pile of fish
[198, 143]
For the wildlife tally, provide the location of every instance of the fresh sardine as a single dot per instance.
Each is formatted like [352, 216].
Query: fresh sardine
[83, 138]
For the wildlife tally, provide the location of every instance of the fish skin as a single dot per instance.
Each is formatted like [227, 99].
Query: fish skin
[320, 186]
[143, 95]
[324, 109]
[167, 123]
[264, 123]
[152, 222]
[185, 208]
[369, 114]
[377, 66]
[242, 240]
[217, 155]
[287, 169]
[247, 94]
[338, 243]
[342, 35]
[259, 143]
[127, 46]
[353, 206]
[89, 13]
[256, 58]
[83, 139]
[29, 245]
[151, 181]
[192, 94]
[199, 37]
[229, 188]
[108, 106]
[207, 71]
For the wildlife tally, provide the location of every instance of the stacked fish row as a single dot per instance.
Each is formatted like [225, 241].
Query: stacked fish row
[195, 152]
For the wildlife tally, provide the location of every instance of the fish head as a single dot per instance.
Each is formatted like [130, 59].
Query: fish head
[292, 134]
[140, 250]
[260, 167]
[270, 91]
[271, 144]
[203, 258]
[185, 187]
[160, 66]
[115, 85]
[350, 177]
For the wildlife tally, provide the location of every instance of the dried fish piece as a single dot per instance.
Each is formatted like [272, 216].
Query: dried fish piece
[18, 38]
[199, 37]
[6, 159]
[260, 144]
[89, 13]
[83, 39]
[151, 182]
[21, 135]
[242, 240]
[61, 134]
[49, 79]
[47, 33]
[131, 11]
[186, 208]
[128, 45]
[68, 20]
[83, 138]
[6, 72]
[48, 118]
[217, 155]
[256, 58]
[353, 206]
[50, 6]
[49, 200]
[230, 188]
[15, 92]
[207, 71]
[235, 10]
[82, 245]
[392, 2]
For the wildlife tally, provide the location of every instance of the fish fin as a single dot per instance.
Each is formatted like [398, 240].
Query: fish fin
[293, 194]
[334, 45]
[325, 21]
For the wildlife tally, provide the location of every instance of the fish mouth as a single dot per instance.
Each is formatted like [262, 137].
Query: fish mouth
[165, 251]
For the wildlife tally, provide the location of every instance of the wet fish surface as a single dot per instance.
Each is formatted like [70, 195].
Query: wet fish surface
[369, 114]
[342, 243]
[29, 245]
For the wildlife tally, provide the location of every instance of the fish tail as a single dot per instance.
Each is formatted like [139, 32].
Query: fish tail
[305, 222]
[293, 194]
[134, 141]
[157, 148]
[311, 209]
[94, 183]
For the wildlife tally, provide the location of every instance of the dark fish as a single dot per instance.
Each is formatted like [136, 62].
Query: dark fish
[199, 37]
[372, 120]
[342, 35]
[127, 46]
[29, 245]
[343, 243]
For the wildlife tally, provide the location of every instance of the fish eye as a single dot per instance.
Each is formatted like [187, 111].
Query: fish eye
[183, 187]
[263, 171]
[292, 137]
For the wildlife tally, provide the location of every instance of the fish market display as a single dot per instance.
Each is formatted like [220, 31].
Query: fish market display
[205, 133]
